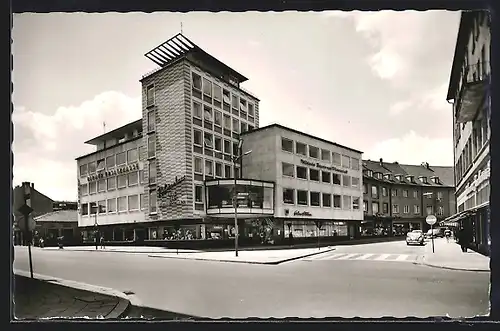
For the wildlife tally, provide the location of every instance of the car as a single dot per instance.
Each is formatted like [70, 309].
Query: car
[434, 233]
[415, 237]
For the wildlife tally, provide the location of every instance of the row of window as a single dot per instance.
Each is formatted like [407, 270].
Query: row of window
[395, 209]
[291, 170]
[288, 145]
[209, 115]
[129, 157]
[214, 142]
[211, 168]
[400, 178]
[112, 183]
[394, 192]
[121, 204]
[318, 199]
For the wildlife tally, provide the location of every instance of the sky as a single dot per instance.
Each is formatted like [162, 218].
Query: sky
[373, 81]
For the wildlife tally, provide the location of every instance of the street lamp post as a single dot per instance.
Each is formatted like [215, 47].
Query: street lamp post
[235, 158]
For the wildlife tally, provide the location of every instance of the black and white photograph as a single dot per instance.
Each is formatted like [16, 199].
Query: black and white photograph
[206, 165]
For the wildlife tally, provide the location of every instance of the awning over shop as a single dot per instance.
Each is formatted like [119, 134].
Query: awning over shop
[455, 220]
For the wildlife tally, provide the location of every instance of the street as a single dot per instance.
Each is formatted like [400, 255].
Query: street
[374, 280]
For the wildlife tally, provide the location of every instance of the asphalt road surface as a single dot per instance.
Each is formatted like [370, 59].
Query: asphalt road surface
[331, 287]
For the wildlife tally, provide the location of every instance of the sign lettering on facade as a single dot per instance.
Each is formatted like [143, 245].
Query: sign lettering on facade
[301, 213]
[163, 190]
[321, 166]
[171, 195]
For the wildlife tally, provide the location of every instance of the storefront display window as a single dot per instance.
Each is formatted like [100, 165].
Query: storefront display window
[309, 229]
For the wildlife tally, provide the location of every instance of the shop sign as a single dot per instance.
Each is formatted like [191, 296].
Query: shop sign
[164, 190]
[112, 172]
[301, 213]
[321, 166]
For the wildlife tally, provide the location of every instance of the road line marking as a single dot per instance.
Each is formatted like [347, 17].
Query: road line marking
[348, 256]
[321, 257]
[382, 257]
[364, 257]
[402, 257]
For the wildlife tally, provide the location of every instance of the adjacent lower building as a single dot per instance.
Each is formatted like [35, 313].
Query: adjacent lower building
[469, 90]
[397, 198]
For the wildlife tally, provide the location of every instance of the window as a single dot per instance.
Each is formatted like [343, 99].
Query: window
[196, 79]
[384, 191]
[314, 199]
[110, 161]
[429, 210]
[301, 148]
[236, 125]
[91, 167]
[217, 92]
[218, 169]
[287, 169]
[198, 167]
[313, 152]
[394, 192]
[405, 193]
[122, 204]
[151, 120]
[227, 147]
[208, 140]
[354, 163]
[227, 171]
[287, 145]
[336, 179]
[365, 188]
[198, 194]
[122, 181]
[143, 201]
[250, 109]
[101, 185]
[440, 195]
[93, 208]
[302, 197]
[346, 181]
[375, 208]
[151, 145]
[415, 194]
[365, 206]
[133, 178]
[346, 161]
[374, 192]
[325, 177]
[440, 211]
[152, 201]
[218, 144]
[217, 118]
[207, 114]
[133, 202]
[197, 138]
[314, 175]
[337, 202]
[385, 208]
[132, 155]
[325, 155]
[111, 205]
[288, 196]
[327, 199]
[355, 182]
[395, 209]
[84, 188]
[243, 105]
[142, 153]
[226, 96]
[301, 172]
[150, 95]
[100, 164]
[406, 209]
[207, 87]
[243, 127]
[346, 202]
[142, 176]
[369, 173]
[101, 207]
[83, 170]
[227, 122]
[336, 158]
[121, 158]
[152, 172]
[111, 183]
[197, 109]
[416, 209]
[355, 203]
[236, 101]
[209, 168]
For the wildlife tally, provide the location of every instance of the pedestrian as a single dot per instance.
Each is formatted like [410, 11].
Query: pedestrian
[462, 240]
[102, 242]
[447, 234]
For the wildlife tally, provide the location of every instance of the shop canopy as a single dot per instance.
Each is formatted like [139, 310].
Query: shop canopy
[455, 220]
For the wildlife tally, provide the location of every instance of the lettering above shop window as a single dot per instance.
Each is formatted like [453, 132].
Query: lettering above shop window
[302, 213]
[321, 166]
[113, 172]
[165, 189]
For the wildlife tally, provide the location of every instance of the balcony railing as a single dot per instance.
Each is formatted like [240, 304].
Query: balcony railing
[473, 87]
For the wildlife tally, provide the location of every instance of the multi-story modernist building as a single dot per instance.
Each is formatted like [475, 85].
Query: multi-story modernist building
[469, 89]
[193, 111]
[315, 181]
[398, 197]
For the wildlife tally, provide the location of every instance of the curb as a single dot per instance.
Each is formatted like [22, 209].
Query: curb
[247, 262]
[421, 261]
[125, 301]
[108, 251]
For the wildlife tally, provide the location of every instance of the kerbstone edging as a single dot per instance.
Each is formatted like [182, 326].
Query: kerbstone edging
[123, 304]
[247, 262]
[422, 261]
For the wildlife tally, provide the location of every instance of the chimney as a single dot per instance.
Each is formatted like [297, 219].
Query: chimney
[381, 162]
[427, 165]
[32, 186]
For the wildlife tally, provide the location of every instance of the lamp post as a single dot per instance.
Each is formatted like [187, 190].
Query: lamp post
[234, 159]
[96, 226]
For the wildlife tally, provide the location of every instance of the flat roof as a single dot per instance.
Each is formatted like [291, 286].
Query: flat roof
[109, 147]
[116, 132]
[179, 46]
[275, 125]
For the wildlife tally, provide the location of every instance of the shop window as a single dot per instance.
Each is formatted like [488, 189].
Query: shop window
[301, 148]
[315, 199]
[302, 197]
[289, 196]
[337, 202]
[313, 152]
[287, 145]
[314, 175]
[301, 172]
[326, 199]
[287, 169]
[325, 177]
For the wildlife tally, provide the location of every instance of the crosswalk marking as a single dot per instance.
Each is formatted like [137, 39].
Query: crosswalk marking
[382, 257]
[364, 257]
[402, 257]
[379, 257]
[348, 256]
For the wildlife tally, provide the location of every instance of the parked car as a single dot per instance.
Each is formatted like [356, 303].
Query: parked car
[434, 233]
[415, 237]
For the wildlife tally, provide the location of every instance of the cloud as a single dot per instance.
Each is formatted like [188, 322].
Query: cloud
[400, 107]
[413, 149]
[45, 146]
[431, 101]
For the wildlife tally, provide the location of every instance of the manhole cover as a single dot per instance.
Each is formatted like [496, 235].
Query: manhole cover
[129, 292]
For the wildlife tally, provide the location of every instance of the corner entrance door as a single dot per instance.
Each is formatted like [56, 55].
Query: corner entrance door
[140, 234]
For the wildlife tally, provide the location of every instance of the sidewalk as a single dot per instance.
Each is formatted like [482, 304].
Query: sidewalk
[121, 249]
[40, 299]
[271, 257]
[450, 256]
